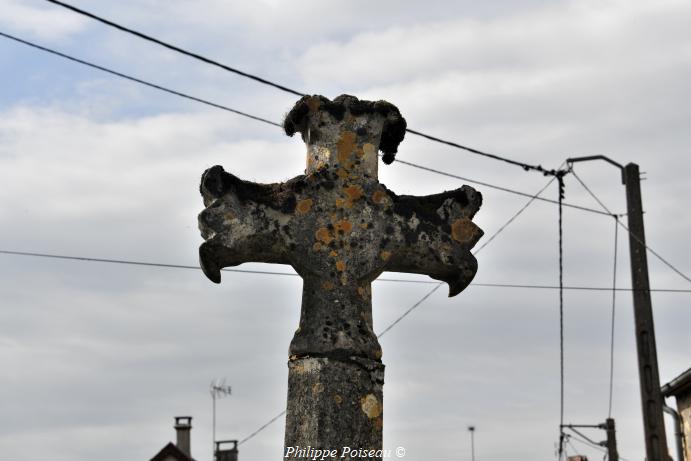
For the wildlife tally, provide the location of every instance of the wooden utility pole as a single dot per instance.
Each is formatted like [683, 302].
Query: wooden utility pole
[648, 374]
[612, 454]
[649, 377]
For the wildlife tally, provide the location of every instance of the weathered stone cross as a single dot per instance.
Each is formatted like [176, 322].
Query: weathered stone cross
[339, 228]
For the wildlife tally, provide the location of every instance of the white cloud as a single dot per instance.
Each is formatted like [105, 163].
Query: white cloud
[48, 22]
[573, 37]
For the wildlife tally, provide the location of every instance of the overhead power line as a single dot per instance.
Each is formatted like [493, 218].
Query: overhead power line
[264, 426]
[500, 188]
[175, 48]
[614, 306]
[138, 80]
[206, 60]
[410, 309]
[560, 178]
[516, 215]
[289, 274]
[634, 236]
[269, 122]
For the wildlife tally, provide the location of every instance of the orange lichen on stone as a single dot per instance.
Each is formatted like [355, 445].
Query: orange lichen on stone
[317, 246]
[363, 292]
[346, 146]
[313, 103]
[463, 230]
[333, 253]
[338, 399]
[385, 255]
[328, 286]
[340, 203]
[353, 192]
[323, 235]
[318, 388]
[340, 265]
[304, 206]
[369, 149]
[371, 406]
[379, 196]
[343, 174]
[363, 225]
[343, 225]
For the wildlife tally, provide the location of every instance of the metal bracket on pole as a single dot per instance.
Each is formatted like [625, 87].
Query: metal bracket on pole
[572, 160]
[610, 443]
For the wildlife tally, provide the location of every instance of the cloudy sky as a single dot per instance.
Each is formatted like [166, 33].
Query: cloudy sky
[96, 359]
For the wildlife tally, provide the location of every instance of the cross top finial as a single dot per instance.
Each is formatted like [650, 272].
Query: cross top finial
[333, 130]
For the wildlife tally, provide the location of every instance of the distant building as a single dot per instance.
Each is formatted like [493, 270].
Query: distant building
[182, 451]
[680, 388]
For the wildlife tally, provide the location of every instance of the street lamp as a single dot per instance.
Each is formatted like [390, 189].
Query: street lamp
[471, 429]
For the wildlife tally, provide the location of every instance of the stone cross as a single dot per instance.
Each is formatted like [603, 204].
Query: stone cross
[339, 228]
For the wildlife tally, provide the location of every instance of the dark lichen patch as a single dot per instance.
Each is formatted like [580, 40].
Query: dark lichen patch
[279, 196]
[393, 131]
[426, 208]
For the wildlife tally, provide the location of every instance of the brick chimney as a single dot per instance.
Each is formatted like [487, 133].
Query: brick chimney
[224, 453]
[183, 426]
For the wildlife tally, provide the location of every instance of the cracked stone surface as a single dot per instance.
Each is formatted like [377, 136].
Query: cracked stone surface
[339, 228]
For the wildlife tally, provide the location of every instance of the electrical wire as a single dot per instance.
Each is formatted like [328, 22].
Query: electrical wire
[560, 179]
[291, 274]
[512, 218]
[614, 305]
[264, 426]
[391, 325]
[584, 442]
[409, 310]
[596, 447]
[634, 236]
[592, 194]
[504, 189]
[567, 439]
[138, 80]
[174, 48]
[524, 166]
[655, 253]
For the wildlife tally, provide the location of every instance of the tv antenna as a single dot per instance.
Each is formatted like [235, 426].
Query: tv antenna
[218, 389]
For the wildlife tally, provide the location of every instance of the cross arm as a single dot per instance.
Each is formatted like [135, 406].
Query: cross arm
[434, 234]
[242, 221]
